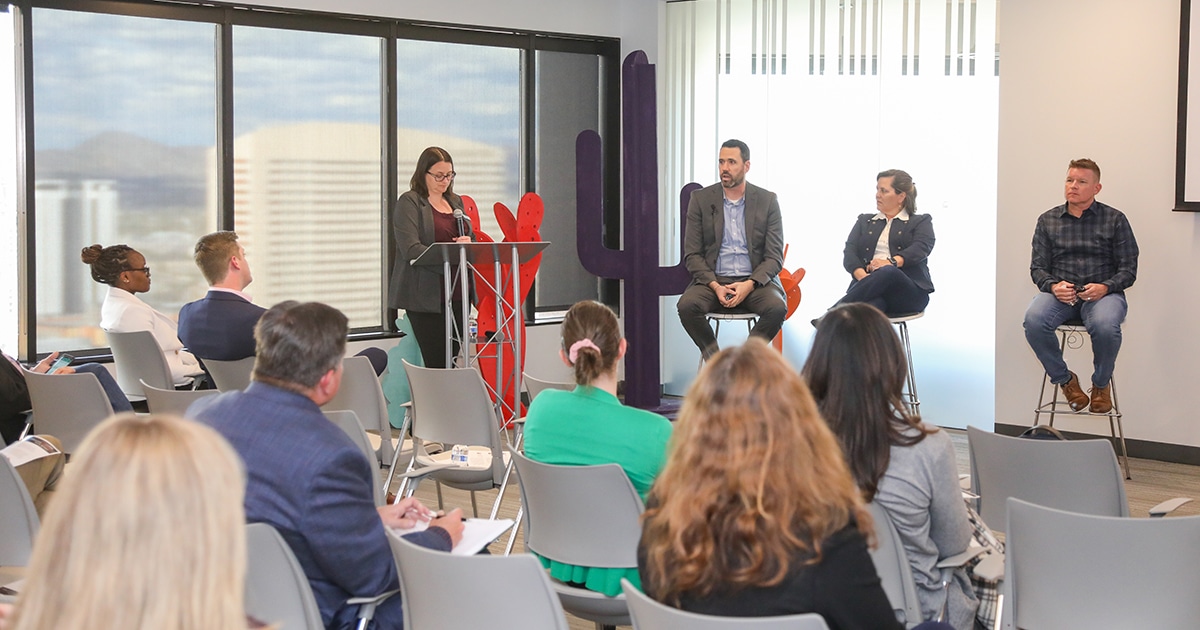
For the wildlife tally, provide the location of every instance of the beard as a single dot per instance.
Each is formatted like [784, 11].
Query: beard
[733, 182]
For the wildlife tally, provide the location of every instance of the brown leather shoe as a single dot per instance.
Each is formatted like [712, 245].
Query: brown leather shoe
[1102, 398]
[1074, 393]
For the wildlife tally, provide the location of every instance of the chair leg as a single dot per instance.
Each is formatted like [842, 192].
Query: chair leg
[396, 454]
[438, 485]
[512, 535]
[474, 507]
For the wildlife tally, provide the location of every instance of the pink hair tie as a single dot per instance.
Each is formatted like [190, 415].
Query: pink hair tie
[573, 353]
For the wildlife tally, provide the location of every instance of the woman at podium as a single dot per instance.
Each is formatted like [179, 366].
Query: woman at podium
[430, 212]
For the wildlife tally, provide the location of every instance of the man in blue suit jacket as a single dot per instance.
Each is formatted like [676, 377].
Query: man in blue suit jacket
[221, 326]
[305, 476]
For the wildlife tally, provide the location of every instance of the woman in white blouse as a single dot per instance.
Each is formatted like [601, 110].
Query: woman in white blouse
[125, 272]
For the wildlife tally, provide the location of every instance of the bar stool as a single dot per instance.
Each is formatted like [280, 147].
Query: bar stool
[910, 382]
[1071, 334]
[715, 318]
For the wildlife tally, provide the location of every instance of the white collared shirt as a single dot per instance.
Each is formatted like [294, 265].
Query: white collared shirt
[233, 291]
[883, 247]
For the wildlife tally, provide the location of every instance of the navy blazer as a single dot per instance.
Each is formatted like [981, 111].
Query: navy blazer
[220, 326]
[705, 228]
[911, 240]
[309, 481]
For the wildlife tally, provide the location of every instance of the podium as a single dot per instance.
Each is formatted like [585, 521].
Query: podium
[461, 261]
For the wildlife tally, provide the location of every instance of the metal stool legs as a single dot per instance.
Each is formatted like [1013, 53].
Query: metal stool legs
[910, 382]
[1072, 334]
[716, 318]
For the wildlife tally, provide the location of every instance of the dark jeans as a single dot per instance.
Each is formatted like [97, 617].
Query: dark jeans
[889, 290]
[698, 300]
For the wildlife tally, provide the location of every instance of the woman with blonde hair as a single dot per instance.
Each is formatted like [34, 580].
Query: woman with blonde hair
[147, 531]
[589, 425]
[755, 513]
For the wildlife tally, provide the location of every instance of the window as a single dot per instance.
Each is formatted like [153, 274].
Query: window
[154, 123]
[124, 122]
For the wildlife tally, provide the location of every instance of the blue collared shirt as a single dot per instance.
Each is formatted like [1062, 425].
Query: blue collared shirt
[1096, 247]
[733, 259]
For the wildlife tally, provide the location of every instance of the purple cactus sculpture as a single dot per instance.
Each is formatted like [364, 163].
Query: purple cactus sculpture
[636, 264]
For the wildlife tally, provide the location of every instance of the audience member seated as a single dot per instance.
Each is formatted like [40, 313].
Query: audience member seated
[856, 372]
[147, 532]
[590, 426]
[755, 513]
[887, 251]
[220, 326]
[125, 272]
[14, 394]
[40, 474]
[307, 479]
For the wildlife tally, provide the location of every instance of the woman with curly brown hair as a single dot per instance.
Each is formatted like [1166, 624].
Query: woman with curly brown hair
[126, 273]
[755, 513]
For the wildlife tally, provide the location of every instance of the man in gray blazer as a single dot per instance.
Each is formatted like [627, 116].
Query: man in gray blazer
[733, 247]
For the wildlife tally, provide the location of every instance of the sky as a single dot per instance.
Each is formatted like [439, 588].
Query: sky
[157, 79]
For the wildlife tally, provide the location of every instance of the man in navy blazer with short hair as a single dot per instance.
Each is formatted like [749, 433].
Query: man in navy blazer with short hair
[221, 325]
[305, 477]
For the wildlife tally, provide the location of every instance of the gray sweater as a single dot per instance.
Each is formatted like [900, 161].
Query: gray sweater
[921, 494]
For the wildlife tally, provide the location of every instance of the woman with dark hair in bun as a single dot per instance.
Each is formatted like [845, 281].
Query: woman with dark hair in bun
[125, 272]
[588, 425]
[886, 250]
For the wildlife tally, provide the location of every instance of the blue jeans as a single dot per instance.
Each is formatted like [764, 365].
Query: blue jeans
[1101, 318]
[115, 396]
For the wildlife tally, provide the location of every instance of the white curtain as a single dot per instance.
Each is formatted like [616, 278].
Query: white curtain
[827, 93]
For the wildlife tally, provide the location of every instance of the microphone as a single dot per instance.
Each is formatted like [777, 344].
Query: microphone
[458, 216]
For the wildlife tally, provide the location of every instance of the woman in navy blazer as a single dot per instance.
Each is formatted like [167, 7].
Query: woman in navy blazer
[887, 251]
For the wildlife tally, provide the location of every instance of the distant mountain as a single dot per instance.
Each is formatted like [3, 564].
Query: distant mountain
[123, 156]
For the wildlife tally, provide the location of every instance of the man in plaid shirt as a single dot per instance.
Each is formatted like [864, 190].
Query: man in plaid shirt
[1084, 257]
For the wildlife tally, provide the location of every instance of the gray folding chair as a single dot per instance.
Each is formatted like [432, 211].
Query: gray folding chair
[173, 401]
[348, 422]
[1066, 570]
[535, 386]
[501, 591]
[18, 522]
[67, 406]
[586, 516]
[1074, 475]
[452, 406]
[138, 358]
[230, 375]
[278, 592]
[648, 614]
[361, 393]
[895, 572]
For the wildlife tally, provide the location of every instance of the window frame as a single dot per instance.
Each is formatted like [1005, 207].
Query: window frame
[224, 16]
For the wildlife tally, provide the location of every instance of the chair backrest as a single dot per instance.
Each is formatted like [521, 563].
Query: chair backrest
[1066, 570]
[174, 401]
[277, 590]
[348, 422]
[648, 614]
[67, 406]
[582, 515]
[361, 393]
[452, 406]
[500, 591]
[18, 518]
[138, 358]
[1076, 475]
[536, 386]
[891, 563]
[230, 375]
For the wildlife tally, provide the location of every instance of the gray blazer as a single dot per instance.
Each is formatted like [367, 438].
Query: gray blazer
[412, 288]
[706, 225]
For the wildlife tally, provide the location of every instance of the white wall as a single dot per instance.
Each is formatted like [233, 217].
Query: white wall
[1097, 78]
